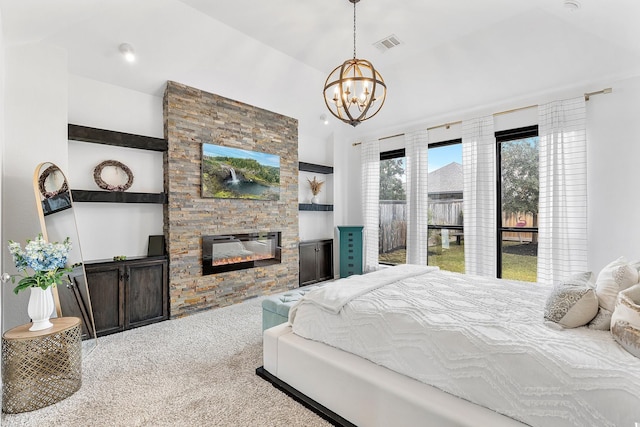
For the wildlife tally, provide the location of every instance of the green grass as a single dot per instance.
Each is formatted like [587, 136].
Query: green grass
[514, 267]
[519, 267]
[451, 259]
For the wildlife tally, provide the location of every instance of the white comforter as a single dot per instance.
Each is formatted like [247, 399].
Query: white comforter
[483, 340]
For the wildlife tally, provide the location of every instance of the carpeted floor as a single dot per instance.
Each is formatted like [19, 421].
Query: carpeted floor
[194, 371]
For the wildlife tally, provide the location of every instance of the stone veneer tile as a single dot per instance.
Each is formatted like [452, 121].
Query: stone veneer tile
[193, 117]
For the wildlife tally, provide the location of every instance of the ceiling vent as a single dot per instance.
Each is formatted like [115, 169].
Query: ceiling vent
[387, 43]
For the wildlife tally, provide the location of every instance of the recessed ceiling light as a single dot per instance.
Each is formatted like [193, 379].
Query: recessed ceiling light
[572, 5]
[324, 119]
[127, 51]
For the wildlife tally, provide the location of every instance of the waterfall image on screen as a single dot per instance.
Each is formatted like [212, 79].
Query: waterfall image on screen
[233, 173]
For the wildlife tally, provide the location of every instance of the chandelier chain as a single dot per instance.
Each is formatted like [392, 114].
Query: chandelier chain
[354, 30]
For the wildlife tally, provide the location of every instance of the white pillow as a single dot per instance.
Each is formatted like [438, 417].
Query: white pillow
[614, 277]
[572, 302]
[625, 321]
[636, 265]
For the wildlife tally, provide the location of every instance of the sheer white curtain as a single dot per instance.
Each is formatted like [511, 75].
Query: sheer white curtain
[370, 161]
[416, 153]
[562, 228]
[479, 193]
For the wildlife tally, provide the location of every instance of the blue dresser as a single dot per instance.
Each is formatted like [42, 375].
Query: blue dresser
[350, 250]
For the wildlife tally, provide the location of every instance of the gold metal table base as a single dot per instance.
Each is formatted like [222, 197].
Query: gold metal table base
[41, 368]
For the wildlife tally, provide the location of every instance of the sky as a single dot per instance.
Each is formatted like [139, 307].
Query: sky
[262, 158]
[442, 156]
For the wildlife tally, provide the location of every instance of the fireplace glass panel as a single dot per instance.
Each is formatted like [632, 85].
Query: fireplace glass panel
[239, 251]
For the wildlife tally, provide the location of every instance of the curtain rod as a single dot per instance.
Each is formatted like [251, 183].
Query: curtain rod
[587, 96]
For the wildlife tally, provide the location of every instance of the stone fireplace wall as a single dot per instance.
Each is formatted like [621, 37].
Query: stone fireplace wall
[193, 117]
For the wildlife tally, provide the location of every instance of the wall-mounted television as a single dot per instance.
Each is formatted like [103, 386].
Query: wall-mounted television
[234, 173]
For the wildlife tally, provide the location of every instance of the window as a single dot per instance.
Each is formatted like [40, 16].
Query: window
[392, 243]
[517, 195]
[445, 185]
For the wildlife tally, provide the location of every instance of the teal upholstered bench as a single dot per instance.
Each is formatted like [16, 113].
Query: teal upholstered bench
[275, 308]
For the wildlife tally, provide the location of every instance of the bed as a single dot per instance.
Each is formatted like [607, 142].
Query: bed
[412, 345]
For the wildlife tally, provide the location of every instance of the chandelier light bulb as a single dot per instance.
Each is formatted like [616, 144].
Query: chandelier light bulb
[128, 52]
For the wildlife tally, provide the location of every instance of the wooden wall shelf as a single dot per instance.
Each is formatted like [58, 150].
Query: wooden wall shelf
[315, 207]
[310, 167]
[119, 139]
[117, 197]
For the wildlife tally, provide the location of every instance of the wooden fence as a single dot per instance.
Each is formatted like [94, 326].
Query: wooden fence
[393, 222]
[445, 212]
[518, 220]
[393, 226]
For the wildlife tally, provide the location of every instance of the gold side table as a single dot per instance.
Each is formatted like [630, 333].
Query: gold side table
[41, 368]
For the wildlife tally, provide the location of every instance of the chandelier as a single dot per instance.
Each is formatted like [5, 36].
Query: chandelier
[354, 91]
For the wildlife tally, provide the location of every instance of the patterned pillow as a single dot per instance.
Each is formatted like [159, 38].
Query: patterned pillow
[615, 277]
[625, 321]
[573, 302]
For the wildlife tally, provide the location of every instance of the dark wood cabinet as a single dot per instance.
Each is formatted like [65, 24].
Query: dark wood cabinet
[316, 261]
[127, 294]
[146, 293]
[106, 287]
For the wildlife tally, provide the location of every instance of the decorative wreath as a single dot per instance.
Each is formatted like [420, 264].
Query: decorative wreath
[97, 176]
[43, 178]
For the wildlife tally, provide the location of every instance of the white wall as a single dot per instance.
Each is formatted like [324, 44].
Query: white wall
[613, 135]
[613, 132]
[35, 131]
[2, 129]
[104, 106]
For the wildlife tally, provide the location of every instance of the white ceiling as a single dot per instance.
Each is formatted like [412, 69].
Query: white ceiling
[455, 54]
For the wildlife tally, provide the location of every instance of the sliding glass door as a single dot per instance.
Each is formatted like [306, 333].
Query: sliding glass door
[445, 183]
[518, 190]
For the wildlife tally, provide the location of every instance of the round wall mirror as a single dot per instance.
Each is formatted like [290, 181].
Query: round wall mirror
[57, 221]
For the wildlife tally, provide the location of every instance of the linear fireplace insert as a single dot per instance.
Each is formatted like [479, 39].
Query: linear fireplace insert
[231, 252]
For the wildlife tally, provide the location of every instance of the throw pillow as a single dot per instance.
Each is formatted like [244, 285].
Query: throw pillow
[602, 321]
[572, 302]
[614, 277]
[625, 321]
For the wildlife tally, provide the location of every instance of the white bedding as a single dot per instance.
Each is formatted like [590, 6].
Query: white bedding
[333, 298]
[485, 341]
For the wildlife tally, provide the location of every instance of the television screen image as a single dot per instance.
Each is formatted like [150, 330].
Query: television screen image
[233, 173]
